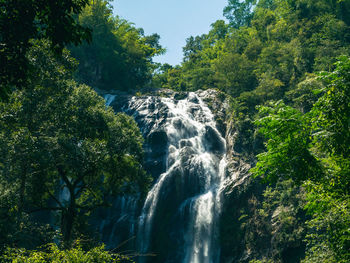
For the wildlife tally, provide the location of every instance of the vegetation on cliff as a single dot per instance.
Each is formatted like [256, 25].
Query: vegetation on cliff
[283, 64]
[63, 153]
[285, 67]
[119, 56]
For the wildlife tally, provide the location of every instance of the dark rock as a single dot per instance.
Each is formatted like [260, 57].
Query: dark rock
[180, 95]
[186, 180]
[213, 140]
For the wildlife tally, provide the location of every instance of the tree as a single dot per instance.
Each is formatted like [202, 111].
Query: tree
[219, 30]
[64, 151]
[193, 47]
[119, 56]
[312, 150]
[288, 154]
[235, 73]
[239, 13]
[332, 111]
[21, 21]
[53, 254]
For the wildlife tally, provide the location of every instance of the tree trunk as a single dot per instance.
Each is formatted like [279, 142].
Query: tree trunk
[21, 194]
[68, 214]
[67, 221]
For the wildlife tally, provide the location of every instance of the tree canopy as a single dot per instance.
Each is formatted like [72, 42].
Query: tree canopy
[59, 139]
[284, 67]
[312, 149]
[119, 56]
[21, 21]
[267, 60]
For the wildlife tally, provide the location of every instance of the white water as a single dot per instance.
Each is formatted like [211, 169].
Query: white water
[190, 126]
[109, 98]
[203, 236]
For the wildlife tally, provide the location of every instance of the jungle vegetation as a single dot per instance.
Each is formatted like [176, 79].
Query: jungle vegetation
[284, 65]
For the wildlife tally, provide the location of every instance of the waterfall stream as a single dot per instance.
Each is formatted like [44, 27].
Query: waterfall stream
[185, 153]
[196, 150]
[109, 99]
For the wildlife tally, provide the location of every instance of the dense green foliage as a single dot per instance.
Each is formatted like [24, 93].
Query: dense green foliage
[120, 55]
[267, 59]
[239, 12]
[266, 56]
[21, 21]
[283, 64]
[58, 135]
[54, 255]
[63, 153]
[312, 150]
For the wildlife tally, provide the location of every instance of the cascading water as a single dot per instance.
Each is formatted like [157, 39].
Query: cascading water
[181, 211]
[109, 98]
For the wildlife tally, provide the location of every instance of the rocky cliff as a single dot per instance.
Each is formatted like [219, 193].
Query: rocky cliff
[203, 202]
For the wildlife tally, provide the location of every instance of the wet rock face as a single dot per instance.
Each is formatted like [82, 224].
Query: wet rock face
[213, 141]
[184, 152]
[151, 114]
[155, 150]
[193, 213]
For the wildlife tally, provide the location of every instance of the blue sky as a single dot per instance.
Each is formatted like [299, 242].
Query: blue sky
[173, 20]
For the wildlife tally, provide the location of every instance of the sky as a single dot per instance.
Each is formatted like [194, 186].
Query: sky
[173, 20]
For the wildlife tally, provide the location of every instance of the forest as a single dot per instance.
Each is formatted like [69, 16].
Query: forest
[282, 65]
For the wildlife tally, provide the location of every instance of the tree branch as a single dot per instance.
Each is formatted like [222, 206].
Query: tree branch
[54, 198]
[90, 208]
[45, 209]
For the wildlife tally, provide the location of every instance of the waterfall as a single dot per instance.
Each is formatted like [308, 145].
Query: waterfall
[181, 211]
[109, 98]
